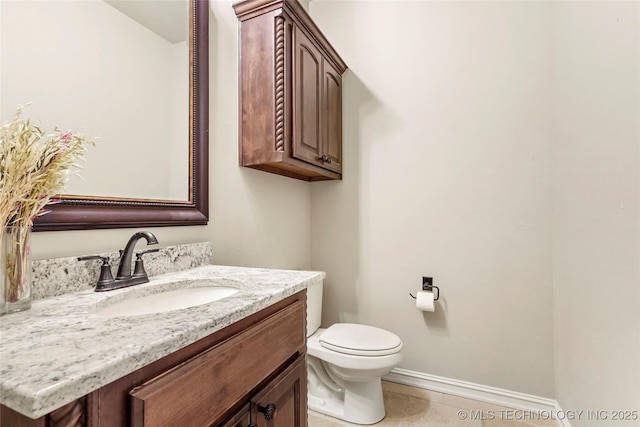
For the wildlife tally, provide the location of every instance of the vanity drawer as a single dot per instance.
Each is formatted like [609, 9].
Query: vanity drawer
[201, 390]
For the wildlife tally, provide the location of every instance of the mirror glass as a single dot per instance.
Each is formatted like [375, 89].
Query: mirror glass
[132, 75]
[114, 70]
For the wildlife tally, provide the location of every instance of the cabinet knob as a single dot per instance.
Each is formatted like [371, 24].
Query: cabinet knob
[325, 158]
[268, 411]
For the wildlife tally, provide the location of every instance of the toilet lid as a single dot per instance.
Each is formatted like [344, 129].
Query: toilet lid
[360, 340]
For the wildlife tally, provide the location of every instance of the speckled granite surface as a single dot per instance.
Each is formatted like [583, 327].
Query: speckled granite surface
[61, 349]
[59, 276]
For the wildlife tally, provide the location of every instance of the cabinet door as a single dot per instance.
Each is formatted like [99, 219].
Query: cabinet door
[283, 402]
[332, 117]
[307, 82]
[241, 419]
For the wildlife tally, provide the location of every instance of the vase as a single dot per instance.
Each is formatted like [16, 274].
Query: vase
[16, 270]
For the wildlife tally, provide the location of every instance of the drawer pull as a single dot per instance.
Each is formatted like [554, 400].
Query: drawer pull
[325, 158]
[268, 411]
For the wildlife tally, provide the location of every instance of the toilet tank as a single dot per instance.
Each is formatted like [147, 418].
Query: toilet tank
[314, 307]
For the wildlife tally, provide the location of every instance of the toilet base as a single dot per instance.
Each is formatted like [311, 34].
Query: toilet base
[359, 403]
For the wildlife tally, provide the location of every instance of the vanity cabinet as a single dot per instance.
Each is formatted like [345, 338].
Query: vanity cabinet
[279, 404]
[290, 92]
[233, 377]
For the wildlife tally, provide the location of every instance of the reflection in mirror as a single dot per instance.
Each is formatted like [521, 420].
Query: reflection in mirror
[105, 67]
[133, 74]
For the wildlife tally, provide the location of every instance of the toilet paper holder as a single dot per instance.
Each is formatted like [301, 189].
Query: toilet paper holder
[427, 285]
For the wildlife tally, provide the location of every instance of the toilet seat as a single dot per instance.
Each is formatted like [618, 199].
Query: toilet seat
[360, 340]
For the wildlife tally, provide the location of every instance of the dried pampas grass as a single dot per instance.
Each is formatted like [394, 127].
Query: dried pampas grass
[34, 167]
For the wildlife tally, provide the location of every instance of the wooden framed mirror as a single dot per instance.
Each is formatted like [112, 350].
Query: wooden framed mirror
[82, 212]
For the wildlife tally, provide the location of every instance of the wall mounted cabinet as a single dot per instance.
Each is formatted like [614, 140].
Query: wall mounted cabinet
[290, 92]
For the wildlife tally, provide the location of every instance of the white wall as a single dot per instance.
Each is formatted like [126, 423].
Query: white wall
[494, 146]
[596, 258]
[447, 174]
[259, 218]
[256, 219]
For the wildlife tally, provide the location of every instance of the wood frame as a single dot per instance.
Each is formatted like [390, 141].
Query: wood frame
[84, 212]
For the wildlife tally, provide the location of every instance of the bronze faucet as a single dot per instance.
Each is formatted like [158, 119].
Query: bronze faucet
[124, 278]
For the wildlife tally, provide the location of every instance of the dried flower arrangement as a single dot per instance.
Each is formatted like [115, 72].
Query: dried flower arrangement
[34, 167]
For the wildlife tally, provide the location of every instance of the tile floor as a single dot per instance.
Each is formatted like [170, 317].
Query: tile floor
[413, 407]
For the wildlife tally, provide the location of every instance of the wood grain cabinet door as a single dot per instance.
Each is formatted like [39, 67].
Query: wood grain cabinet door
[283, 402]
[332, 117]
[317, 121]
[241, 419]
[307, 84]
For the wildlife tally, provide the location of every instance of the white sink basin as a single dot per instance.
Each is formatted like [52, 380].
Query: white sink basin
[160, 302]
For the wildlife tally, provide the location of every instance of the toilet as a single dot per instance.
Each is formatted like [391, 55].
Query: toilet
[345, 363]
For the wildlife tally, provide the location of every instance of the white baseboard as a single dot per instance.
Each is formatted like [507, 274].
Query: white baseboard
[479, 392]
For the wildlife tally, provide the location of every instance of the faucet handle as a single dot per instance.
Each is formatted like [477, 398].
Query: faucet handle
[139, 270]
[106, 277]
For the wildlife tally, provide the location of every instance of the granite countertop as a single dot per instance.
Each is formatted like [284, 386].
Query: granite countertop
[60, 350]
